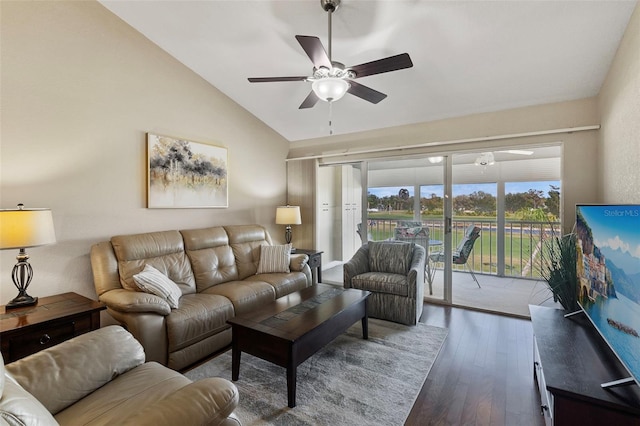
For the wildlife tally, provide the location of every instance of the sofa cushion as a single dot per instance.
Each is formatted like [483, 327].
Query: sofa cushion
[216, 399]
[124, 396]
[162, 250]
[55, 378]
[199, 316]
[283, 283]
[245, 241]
[390, 256]
[187, 356]
[211, 256]
[245, 295]
[19, 407]
[298, 262]
[150, 280]
[274, 259]
[381, 282]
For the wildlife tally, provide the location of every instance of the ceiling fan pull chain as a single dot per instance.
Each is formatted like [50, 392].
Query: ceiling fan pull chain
[330, 118]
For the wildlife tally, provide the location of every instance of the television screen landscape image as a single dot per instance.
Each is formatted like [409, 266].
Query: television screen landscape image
[608, 270]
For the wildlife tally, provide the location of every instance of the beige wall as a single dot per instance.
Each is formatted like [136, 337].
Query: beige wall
[80, 89]
[619, 105]
[579, 148]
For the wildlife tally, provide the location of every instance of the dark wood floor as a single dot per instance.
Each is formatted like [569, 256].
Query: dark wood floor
[483, 375]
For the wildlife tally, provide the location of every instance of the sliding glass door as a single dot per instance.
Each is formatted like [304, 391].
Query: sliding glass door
[406, 200]
[506, 201]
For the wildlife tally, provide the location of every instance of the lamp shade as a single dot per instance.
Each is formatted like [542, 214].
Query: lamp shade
[288, 215]
[22, 228]
[330, 89]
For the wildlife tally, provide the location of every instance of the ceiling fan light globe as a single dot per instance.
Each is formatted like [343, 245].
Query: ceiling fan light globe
[330, 89]
[485, 159]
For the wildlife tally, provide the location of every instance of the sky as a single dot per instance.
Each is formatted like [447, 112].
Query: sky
[427, 190]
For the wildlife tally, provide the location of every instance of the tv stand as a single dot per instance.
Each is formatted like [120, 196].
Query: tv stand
[571, 361]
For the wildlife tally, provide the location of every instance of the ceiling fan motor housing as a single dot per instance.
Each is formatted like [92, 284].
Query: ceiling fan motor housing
[330, 5]
[337, 71]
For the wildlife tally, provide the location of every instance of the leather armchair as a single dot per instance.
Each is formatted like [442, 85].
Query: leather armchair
[101, 378]
[393, 272]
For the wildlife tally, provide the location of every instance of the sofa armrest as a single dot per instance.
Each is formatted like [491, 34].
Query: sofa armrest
[208, 401]
[298, 261]
[358, 264]
[415, 276]
[127, 301]
[63, 374]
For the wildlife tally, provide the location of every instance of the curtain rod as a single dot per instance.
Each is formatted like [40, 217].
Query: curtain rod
[451, 142]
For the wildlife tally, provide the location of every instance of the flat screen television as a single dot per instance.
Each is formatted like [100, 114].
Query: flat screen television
[608, 270]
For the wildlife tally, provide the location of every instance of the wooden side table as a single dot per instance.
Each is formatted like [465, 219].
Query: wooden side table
[315, 262]
[52, 320]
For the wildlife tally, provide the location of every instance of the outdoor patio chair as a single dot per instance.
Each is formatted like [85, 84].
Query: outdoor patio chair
[359, 232]
[415, 232]
[412, 232]
[463, 251]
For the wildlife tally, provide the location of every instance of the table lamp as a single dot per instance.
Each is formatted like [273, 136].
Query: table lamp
[19, 229]
[288, 215]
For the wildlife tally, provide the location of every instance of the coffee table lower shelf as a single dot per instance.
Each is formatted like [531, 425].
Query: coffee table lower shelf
[294, 327]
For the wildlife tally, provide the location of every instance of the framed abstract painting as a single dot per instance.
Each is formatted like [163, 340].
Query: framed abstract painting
[186, 174]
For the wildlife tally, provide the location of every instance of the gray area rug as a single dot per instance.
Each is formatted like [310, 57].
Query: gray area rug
[351, 381]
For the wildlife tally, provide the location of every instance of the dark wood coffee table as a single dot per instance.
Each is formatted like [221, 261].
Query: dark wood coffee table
[294, 327]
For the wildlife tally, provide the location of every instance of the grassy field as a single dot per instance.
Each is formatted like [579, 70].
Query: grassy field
[518, 247]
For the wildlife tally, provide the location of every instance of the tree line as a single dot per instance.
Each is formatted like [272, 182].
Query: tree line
[532, 204]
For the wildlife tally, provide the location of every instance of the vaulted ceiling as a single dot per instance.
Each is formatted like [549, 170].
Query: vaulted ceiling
[468, 56]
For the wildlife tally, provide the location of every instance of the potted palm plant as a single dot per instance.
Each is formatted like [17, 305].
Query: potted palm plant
[558, 268]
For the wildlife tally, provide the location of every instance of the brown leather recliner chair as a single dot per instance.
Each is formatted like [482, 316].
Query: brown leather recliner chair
[101, 378]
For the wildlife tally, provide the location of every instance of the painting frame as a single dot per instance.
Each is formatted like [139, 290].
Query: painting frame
[185, 174]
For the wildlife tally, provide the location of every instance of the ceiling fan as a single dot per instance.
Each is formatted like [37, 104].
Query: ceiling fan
[331, 80]
[487, 158]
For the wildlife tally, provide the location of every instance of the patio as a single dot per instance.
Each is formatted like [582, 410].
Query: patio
[505, 295]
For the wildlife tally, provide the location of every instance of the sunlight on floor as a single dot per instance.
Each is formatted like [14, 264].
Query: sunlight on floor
[507, 295]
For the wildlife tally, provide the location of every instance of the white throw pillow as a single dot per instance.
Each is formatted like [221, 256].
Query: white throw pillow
[150, 280]
[274, 259]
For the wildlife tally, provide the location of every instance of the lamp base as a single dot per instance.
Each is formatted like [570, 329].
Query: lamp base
[21, 300]
[287, 234]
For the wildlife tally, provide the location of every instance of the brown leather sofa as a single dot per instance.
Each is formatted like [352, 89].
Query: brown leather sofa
[215, 269]
[101, 378]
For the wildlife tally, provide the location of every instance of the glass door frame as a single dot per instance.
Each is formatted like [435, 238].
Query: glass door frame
[447, 171]
[447, 167]
[447, 221]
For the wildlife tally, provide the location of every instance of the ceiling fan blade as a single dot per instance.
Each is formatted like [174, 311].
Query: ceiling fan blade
[270, 79]
[392, 63]
[315, 50]
[518, 151]
[366, 93]
[309, 101]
